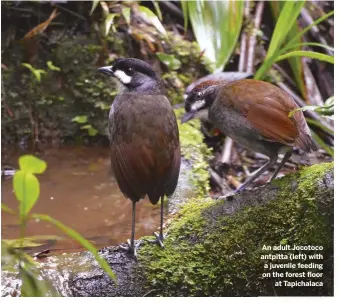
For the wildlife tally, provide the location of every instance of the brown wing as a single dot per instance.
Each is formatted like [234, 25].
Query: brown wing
[266, 108]
[145, 151]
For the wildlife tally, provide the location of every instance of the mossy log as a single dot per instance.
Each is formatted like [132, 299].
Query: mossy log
[214, 248]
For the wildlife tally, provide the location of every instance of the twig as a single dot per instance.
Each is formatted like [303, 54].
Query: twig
[219, 180]
[284, 74]
[313, 92]
[253, 38]
[173, 9]
[70, 12]
[227, 151]
[243, 42]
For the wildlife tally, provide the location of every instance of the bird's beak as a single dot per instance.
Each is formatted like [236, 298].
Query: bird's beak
[188, 116]
[107, 70]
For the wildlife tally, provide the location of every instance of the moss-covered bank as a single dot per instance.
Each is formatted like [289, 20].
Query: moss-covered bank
[215, 248]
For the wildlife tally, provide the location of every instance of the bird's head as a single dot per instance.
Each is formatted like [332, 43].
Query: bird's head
[132, 73]
[200, 99]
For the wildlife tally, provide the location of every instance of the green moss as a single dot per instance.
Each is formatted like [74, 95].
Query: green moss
[209, 253]
[196, 151]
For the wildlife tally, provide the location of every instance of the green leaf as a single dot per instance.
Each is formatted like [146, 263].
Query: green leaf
[216, 26]
[321, 126]
[308, 44]
[31, 285]
[91, 130]
[36, 72]
[295, 63]
[148, 14]
[51, 66]
[157, 9]
[309, 54]
[108, 22]
[126, 12]
[306, 29]
[6, 209]
[80, 119]
[322, 144]
[80, 239]
[184, 8]
[169, 60]
[32, 164]
[286, 20]
[27, 189]
[308, 107]
[94, 5]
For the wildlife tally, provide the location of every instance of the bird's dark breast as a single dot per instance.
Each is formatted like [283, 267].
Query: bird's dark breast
[145, 150]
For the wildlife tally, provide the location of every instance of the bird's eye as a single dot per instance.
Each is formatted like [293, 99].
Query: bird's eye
[199, 94]
[130, 71]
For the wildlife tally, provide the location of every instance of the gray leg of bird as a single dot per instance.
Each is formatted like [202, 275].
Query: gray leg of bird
[255, 175]
[132, 246]
[160, 238]
[283, 161]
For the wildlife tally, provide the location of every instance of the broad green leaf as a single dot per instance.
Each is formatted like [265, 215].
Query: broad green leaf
[216, 26]
[80, 239]
[153, 19]
[32, 164]
[80, 119]
[7, 209]
[27, 189]
[94, 5]
[169, 60]
[51, 66]
[309, 54]
[126, 12]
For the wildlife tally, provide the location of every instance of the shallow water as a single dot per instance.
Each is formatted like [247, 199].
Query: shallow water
[78, 189]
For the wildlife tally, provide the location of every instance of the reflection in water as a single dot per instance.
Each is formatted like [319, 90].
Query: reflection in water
[77, 188]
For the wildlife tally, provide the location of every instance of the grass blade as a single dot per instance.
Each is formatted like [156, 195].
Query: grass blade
[76, 236]
[309, 54]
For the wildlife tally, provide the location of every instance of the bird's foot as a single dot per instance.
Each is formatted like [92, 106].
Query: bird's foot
[132, 249]
[230, 194]
[159, 240]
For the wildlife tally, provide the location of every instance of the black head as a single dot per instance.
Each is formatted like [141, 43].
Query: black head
[132, 73]
[199, 99]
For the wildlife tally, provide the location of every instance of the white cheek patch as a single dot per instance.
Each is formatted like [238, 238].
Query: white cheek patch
[125, 79]
[198, 105]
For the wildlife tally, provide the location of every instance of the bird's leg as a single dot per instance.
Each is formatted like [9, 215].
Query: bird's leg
[283, 161]
[160, 237]
[131, 244]
[255, 175]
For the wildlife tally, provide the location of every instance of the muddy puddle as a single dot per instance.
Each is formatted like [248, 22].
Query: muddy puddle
[78, 189]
